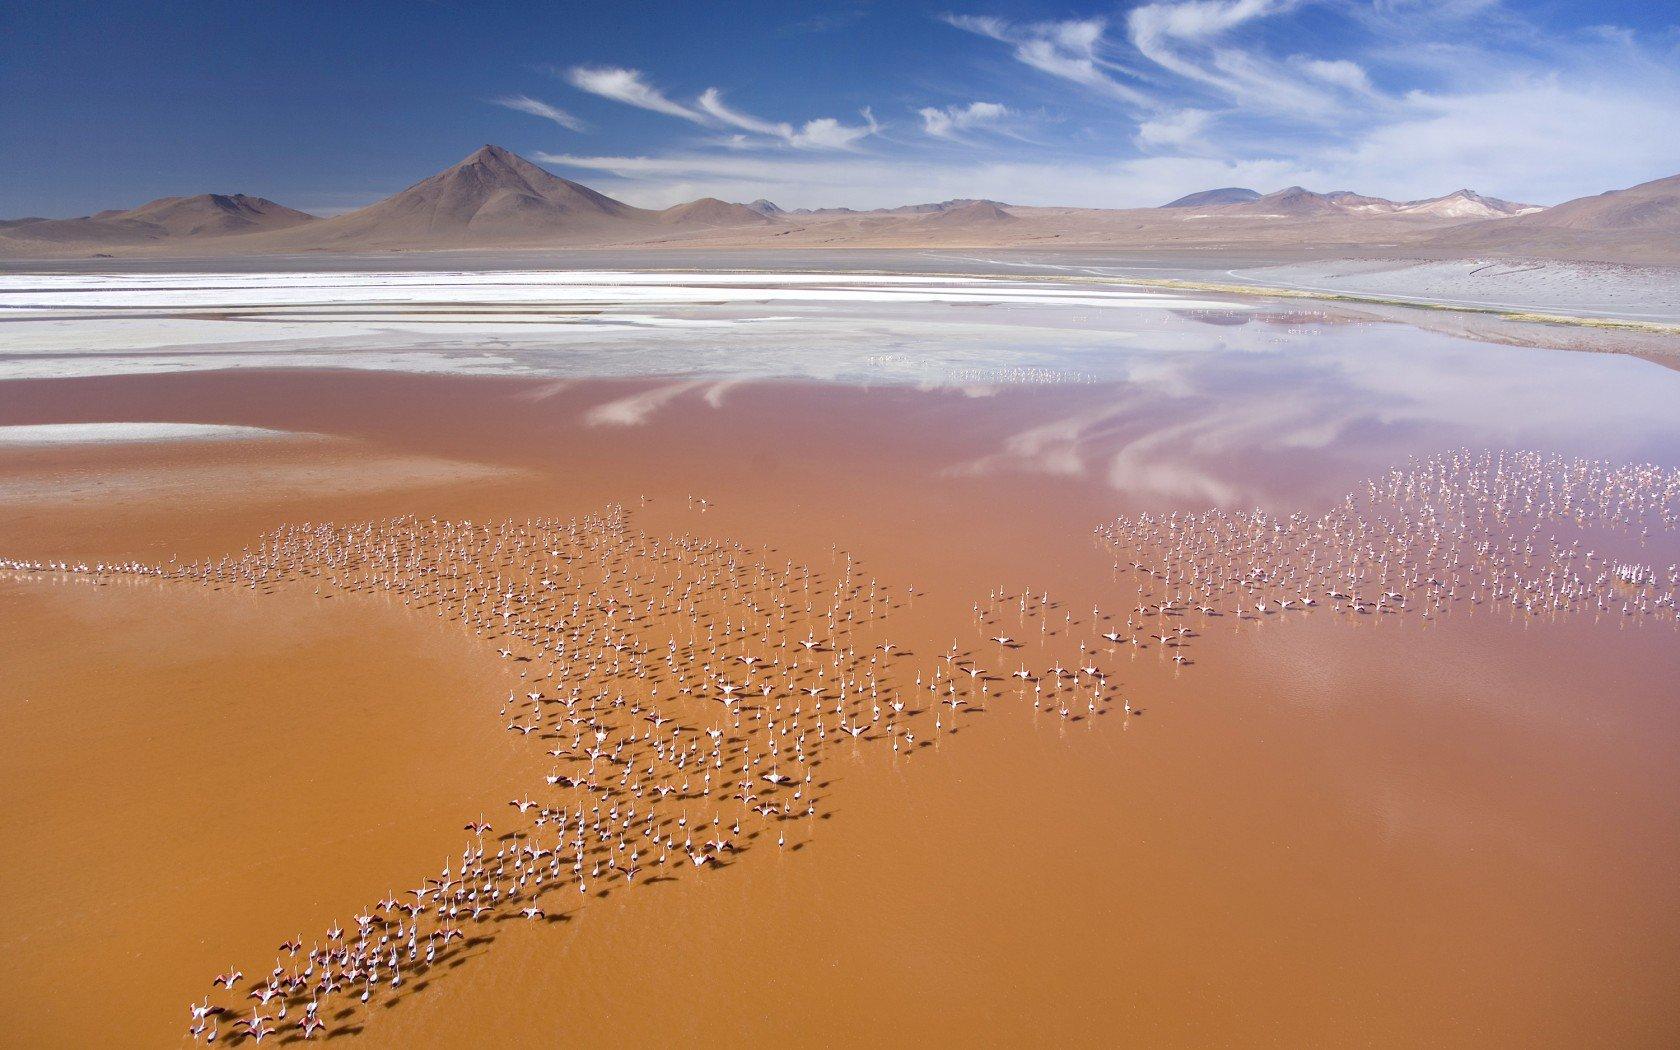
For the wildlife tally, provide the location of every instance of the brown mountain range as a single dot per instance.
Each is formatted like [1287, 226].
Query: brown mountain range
[1460, 205]
[494, 199]
[491, 196]
[711, 212]
[206, 215]
[1640, 224]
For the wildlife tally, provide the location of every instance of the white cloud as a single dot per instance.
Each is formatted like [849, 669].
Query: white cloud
[628, 87]
[711, 100]
[1398, 100]
[538, 108]
[1341, 72]
[950, 122]
[865, 181]
[984, 25]
[1193, 41]
[1538, 141]
[828, 133]
[1535, 139]
[1188, 40]
[1174, 130]
[1068, 50]
[1198, 20]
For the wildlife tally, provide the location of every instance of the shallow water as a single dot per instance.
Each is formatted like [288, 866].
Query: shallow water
[1321, 830]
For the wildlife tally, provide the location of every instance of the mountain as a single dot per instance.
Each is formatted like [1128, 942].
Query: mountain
[214, 215]
[1459, 205]
[1640, 224]
[206, 215]
[1208, 198]
[1359, 202]
[971, 213]
[491, 198]
[495, 198]
[938, 206]
[1650, 206]
[1467, 204]
[709, 211]
[1291, 202]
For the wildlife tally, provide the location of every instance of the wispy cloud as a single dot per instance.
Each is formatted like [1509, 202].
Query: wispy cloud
[711, 100]
[868, 180]
[1195, 41]
[829, 133]
[1189, 41]
[828, 21]
[1539, 139]
[539, 108]
[1070, 50]
[1178, 130]
[1340, 72]
[951, 121]
[629, 87]
[1391, 97]
[821, 133]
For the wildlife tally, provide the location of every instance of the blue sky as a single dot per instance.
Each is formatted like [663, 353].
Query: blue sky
[327, 106]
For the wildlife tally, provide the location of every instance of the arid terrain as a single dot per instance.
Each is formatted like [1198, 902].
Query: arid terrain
[494, 199]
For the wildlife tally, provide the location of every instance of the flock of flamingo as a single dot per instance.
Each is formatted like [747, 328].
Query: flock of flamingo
[1529, 532]
[685, 692]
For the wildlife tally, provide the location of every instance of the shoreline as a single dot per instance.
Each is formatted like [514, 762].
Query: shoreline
[1185, 269]
[1528, 322]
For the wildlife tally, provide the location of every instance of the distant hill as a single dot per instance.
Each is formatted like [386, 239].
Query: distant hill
[494, 199]
[491, 197]
[1648, 207]
[1207, 198]
[1638, 224]
[1360, 202]
[215, 215]
[971, 213]
[709, 211]
[206, 215]
[1297, 201]
[938, 206]
[1468, 204]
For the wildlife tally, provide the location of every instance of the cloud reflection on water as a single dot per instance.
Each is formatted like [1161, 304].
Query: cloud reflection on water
[1155, 395]
[1245, 422]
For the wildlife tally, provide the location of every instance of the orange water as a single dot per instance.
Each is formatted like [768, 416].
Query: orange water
[1321, 832]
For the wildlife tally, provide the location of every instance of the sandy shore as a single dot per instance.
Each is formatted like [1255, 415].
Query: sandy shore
[1042, 323]
[1634, 293]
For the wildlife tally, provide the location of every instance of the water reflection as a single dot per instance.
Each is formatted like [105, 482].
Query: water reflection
[1285, 422]
[1160, 396]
